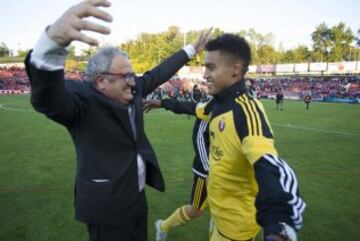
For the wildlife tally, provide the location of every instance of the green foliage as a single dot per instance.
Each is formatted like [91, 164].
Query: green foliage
[298, 55]
[71, 64]
[71, 51]
[331, 44]
[262, 46]
[22, 53]
[321, 41]
[38, 169]
[4, 50]
[301, 54]
[148, 50]
[217, 32]
[81, 66]
[286, 56]
[5, 60]
[341, 38]
[266, 55]
[88, 51]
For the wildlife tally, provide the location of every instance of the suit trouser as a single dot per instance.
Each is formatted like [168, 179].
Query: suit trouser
[134, 230]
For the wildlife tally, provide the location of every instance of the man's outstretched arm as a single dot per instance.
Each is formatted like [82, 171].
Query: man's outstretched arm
[175, 106]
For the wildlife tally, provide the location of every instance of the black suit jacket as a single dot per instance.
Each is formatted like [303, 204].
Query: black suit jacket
[106, 148]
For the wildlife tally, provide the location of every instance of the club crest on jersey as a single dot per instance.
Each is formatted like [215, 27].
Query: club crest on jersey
[221, 125]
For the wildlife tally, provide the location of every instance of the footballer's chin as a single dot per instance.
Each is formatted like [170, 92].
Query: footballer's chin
[211, 89]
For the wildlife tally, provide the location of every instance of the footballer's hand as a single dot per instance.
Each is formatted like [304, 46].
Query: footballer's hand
[202, 40]
[287, 233]
[68, 27]
[151, 104]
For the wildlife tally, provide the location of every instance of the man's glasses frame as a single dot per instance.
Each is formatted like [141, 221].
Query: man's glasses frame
[124, 76]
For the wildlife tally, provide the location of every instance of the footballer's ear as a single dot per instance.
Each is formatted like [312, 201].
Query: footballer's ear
[239, 68]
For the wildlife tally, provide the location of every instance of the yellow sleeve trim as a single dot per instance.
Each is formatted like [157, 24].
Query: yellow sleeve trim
[200, 111]
[256, 146]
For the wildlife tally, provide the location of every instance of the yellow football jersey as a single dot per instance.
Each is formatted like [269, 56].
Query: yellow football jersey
[239, 135]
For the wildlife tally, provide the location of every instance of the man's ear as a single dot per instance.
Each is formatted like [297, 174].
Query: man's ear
[99, 82]
[239, 69]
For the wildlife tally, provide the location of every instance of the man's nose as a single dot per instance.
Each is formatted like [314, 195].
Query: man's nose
[206, 74]
[130, 82]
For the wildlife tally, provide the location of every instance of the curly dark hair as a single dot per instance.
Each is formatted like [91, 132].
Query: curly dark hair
[233, 45]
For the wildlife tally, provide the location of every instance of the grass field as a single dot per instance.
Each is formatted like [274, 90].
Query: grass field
[37, 168]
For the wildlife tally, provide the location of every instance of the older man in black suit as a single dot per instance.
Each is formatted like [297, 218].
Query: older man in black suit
[105, 120]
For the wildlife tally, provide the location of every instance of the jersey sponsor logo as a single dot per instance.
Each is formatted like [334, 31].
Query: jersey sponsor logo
[221, 125]
[216, 153]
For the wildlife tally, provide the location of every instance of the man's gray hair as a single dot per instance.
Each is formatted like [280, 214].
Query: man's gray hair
[100, 62]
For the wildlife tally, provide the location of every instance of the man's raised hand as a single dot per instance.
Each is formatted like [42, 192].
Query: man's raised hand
[69, 26]
[202, 40]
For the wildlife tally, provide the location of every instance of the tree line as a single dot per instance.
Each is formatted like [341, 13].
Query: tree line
[329, 44]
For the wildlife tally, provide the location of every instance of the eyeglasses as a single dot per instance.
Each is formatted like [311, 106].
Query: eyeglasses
[125, 76]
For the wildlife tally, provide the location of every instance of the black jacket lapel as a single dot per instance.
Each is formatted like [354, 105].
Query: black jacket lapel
[138, 117]
[122, 113]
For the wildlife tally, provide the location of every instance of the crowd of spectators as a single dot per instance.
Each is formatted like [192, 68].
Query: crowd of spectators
[195, 94]
[13, 78]
[182, 89]
[319, 87]
[75, 75]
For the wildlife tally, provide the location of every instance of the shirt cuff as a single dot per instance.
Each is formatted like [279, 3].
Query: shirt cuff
[190, 50]
[48, 55]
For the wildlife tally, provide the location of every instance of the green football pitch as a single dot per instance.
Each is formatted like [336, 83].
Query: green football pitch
[37, 169]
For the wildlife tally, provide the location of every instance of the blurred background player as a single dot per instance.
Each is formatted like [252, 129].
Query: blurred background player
[196, 94]
[250, 84]
[307, 100]
[279, 100]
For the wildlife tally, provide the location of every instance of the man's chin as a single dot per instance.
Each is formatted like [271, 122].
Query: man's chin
[211, 91]
[129, 98]
[126, 99]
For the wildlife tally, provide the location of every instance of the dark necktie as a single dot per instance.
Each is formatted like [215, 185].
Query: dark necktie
[131, 109]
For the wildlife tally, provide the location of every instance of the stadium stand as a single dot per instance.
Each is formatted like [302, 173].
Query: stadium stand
[330, 88]
[321, 88]
[13, 80]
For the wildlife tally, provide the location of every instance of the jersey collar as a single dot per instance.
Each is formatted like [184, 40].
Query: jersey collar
[232, 91]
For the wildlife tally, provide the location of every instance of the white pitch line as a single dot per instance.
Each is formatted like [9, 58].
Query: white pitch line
[316, 129]
[294, 127]
[2, 106]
